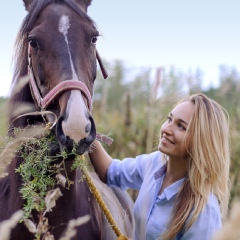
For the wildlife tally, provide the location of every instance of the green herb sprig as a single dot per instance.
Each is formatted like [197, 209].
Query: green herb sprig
[37, 172]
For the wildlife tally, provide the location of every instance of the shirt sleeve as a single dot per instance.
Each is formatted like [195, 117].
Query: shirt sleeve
[207, 224]
[129, 172]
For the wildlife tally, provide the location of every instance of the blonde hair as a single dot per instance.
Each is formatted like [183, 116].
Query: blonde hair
[208, 164]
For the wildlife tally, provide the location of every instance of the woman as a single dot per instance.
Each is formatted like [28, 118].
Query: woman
[183, 187]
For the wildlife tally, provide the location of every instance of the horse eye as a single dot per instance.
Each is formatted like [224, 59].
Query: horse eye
[33, 44]
[94, 40]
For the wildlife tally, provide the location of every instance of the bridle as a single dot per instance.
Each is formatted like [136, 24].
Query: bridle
[43, 102]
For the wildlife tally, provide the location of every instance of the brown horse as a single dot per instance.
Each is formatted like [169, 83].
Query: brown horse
[56, 47]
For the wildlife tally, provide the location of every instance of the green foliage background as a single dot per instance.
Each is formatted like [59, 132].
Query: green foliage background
[132, 103]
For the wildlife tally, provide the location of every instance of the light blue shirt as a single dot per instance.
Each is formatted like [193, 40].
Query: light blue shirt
[151, 211]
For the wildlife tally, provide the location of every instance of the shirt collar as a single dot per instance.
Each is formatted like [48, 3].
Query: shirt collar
[173, 189]
[160, 172]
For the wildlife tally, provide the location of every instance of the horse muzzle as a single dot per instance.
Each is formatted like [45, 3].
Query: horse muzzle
[66, 142]
[75, 127]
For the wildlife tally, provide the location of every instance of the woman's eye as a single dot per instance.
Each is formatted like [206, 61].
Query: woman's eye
[169, 119]
[181, 127]
[33, 44]
[94, 39]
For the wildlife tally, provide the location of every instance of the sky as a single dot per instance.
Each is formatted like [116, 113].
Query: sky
[187, 34]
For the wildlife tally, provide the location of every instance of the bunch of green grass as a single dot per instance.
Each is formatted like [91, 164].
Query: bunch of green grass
[38, 171]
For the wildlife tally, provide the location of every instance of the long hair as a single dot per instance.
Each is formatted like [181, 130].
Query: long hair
[208, 164]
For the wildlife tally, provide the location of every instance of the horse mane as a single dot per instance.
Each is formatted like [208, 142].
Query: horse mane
[21, 93]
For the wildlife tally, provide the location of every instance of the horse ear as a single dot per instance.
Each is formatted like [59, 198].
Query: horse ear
[84, 4]
[27, 4]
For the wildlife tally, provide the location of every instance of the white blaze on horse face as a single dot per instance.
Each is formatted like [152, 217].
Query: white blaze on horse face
[76, 121]
[63, 27]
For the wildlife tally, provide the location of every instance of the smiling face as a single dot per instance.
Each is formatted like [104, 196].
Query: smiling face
[174, 131]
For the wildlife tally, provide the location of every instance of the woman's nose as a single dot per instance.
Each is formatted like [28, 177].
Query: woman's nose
[167, 128]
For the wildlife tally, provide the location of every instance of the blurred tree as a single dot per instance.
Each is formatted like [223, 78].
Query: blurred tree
[131, 105]
[227, 94]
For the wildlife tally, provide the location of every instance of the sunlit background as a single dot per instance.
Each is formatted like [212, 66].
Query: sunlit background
[187, 46]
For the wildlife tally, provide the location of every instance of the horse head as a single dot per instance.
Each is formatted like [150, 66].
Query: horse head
[57, 48]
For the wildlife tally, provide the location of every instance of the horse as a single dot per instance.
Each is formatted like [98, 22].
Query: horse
[56, 49]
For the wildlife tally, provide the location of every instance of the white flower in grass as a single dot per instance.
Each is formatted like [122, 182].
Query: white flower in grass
[30, 225]
[48, 236]
[51, 198]
[72, 225]
[43, 226]
[61, 179]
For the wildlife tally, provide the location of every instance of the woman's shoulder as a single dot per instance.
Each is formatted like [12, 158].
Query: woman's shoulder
[211, 213]
[207, 223]
[143, 163]
[153, 158]
[150, 162]
[213, 204]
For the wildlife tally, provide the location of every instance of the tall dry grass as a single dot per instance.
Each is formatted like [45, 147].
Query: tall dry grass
[231, 226]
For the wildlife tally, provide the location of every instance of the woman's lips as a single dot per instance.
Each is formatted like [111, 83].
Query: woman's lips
[166, 140]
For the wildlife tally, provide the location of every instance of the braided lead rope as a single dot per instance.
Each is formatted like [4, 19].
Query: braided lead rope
[101, 203]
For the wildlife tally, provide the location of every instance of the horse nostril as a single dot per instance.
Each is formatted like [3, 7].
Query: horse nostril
[88, 128]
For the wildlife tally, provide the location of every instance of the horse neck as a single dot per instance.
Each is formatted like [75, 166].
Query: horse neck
[9, 187]
[73, 177]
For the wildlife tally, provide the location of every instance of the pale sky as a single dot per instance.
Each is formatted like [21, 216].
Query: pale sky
[149, 33]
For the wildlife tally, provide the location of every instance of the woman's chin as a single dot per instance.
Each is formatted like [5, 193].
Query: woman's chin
[161, 148]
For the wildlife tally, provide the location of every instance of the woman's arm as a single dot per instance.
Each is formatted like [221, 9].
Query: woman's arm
[100, 160]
